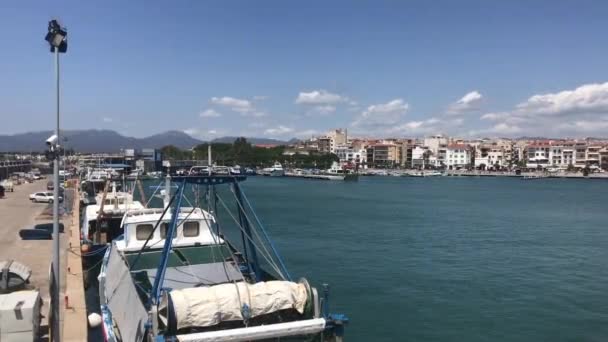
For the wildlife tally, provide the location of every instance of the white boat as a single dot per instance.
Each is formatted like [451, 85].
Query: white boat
[174, 277]
[101, 222]
[200, 170]
[235, 170]
[425, 174]
[275, 171]
[220, 170]
[135, 174]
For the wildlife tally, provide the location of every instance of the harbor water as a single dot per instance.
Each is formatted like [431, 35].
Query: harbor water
[448, 259]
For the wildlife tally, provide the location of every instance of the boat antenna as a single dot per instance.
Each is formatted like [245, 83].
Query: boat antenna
[167, 196]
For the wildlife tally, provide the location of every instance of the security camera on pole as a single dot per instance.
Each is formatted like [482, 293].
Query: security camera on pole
[57, 38]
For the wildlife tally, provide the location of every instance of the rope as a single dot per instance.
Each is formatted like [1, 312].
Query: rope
[152, 232]
[269, 258]
[238, 292]
[154, 193]
[276, 253]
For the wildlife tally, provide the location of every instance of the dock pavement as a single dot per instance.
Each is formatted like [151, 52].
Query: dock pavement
[18, 212]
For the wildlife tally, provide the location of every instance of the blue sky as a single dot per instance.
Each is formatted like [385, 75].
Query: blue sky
[285, 68]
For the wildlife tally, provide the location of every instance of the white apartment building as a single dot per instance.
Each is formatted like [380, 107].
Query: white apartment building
[457, 156]
[562, 156]
[348, 154]
[538, 156]
[418, 157]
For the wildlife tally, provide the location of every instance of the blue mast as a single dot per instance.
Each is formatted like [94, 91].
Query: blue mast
[253, 263]
[162, 266]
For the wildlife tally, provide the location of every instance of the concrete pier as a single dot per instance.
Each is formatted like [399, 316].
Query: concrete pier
[17, 213]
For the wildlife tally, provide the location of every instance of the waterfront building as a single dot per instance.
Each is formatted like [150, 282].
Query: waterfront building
[537, 155]
[458, 156]
[420, 156]
[437, 145]
[350, 155]
[384, 155]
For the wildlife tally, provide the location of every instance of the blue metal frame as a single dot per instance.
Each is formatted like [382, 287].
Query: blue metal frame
[253, 263]
[162, 266]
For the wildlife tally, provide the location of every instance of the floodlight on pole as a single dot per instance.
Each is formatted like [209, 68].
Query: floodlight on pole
[57, 39]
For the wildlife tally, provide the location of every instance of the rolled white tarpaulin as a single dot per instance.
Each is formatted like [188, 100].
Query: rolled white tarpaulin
[209, 306]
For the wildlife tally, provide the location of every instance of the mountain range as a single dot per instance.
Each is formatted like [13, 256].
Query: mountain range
[99, 141]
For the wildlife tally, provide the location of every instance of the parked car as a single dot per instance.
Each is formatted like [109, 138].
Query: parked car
[1, 191]
[46, 197]
[49, 185]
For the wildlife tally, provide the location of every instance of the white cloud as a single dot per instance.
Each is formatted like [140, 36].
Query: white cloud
[260, 97]
[319, 97]
[382, 116]
[468, 103]
[210, 113]
[577, 112]
[237, 105]
[321, 110]
[212, 132]
[279, 130]
[504, 128]
[107, 119]
[418, 127]
[586, 99]
[191, 131]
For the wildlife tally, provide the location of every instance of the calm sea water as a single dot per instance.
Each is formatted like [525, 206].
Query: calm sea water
[448, 259]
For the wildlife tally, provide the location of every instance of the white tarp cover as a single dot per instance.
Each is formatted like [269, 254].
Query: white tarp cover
[121, 296]
[208, 306]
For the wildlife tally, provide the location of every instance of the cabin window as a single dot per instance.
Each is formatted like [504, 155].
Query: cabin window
[163, 229]
[190, 229]
[142, 231]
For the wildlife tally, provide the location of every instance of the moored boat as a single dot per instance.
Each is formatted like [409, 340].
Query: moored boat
[174, 275]
[275, 171]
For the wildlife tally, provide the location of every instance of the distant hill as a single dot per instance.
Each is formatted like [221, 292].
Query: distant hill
[95, 141]
[251, 140]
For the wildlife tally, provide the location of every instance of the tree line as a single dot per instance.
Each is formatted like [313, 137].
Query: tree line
[243, 153]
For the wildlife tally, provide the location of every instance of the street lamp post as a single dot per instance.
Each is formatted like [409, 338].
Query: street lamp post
[57, 38]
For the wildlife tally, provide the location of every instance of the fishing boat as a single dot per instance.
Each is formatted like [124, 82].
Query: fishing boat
[101, 222]
[176, 276]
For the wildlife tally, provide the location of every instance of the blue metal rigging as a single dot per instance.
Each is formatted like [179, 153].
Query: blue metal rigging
[162, 266]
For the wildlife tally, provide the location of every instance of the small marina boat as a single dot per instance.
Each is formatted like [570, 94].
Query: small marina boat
[340, 173]
[275, 171]
[135, 174]
[534, 176]
[235, 170]
[175, 276]
[220, 170]
[424, 174]
[200, 170]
